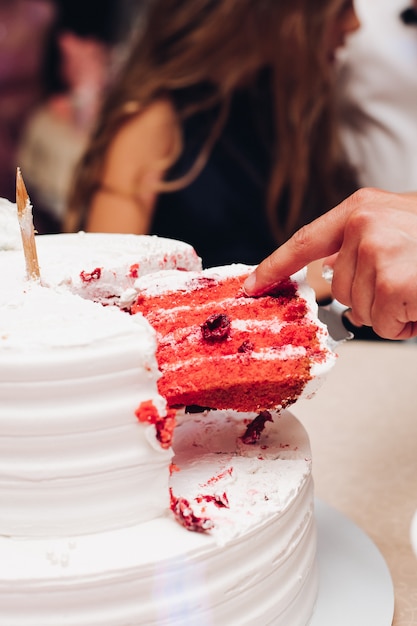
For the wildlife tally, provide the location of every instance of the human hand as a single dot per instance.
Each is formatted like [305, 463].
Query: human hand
[370, 242]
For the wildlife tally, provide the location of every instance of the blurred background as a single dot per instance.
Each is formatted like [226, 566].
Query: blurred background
[57, 57]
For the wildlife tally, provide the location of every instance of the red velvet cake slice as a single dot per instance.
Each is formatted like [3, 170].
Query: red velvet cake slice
[218, 348]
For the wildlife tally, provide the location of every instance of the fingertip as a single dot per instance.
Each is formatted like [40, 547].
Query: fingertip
[250, 284]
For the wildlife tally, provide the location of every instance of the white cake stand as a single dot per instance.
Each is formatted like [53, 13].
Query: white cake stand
[355, 585]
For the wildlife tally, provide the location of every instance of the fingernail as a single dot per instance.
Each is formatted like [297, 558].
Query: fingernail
[327, 273]
[249, 284]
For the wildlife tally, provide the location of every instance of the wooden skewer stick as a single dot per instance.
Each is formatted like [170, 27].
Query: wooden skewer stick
[24, 211]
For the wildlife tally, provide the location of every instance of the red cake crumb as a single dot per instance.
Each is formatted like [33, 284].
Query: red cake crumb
[134, 270]
[87, 277]
[173, 468]
[254, 430]
[147, 412]
[165, 426]
[219, 500]
[186, 517]
[246, 346]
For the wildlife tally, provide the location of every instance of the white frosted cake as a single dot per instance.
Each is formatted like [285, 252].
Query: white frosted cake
[103, 522]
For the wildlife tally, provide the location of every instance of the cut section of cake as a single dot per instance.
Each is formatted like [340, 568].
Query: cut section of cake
[219, 349]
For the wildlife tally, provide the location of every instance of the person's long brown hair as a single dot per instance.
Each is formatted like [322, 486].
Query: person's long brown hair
[224, 44]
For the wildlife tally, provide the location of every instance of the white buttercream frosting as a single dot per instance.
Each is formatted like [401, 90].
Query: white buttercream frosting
[10, 237]
[157, 572]
[73, 457]
[72, 261]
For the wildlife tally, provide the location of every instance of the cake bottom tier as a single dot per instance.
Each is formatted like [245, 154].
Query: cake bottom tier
[256, 565]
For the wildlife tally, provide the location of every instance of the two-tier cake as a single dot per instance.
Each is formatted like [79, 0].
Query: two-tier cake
[102, 521]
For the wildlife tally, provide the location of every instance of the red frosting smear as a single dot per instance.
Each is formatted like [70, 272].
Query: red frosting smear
[165, 425]
[215, 479]
[87, 277]
[186, 517]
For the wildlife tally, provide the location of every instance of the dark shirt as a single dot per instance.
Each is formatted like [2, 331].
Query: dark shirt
[222, 213]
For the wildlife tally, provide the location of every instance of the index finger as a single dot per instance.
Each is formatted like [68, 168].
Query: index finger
[316, 240]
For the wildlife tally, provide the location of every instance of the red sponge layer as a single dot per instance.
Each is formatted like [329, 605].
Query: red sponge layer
[218, 348]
